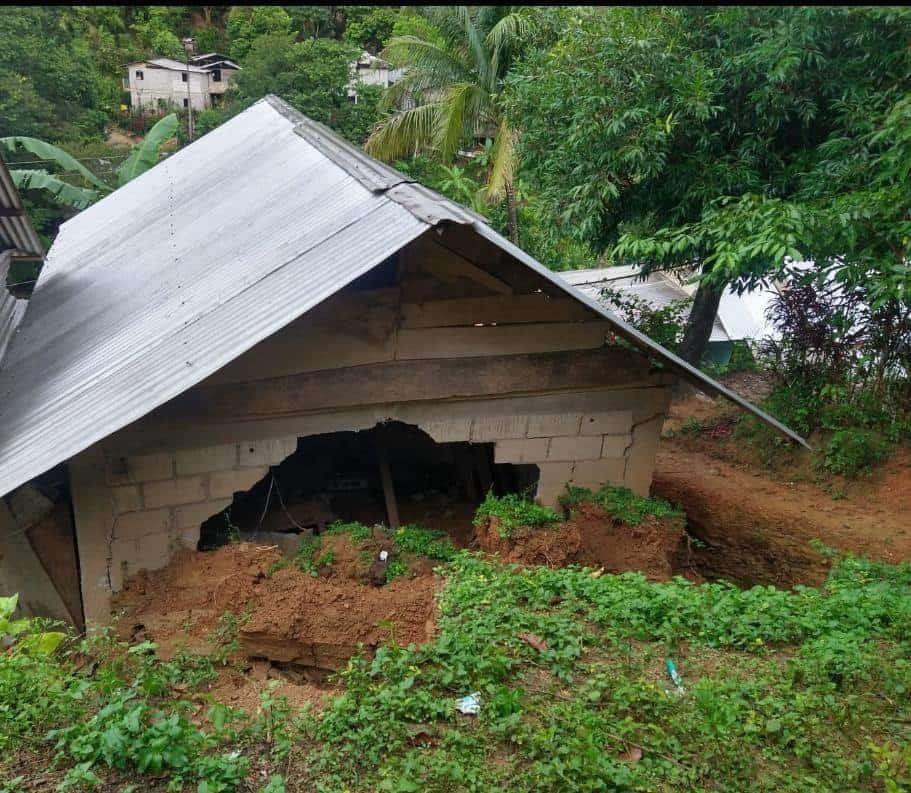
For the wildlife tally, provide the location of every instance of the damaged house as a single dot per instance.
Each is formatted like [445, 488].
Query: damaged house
[270, 330]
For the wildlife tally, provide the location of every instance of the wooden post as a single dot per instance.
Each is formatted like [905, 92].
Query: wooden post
[392, 507]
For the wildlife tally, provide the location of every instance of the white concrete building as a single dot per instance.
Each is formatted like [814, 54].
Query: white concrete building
[163, 83]
[370, 70]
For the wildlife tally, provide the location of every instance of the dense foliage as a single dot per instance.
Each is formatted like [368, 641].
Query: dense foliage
[730, 139]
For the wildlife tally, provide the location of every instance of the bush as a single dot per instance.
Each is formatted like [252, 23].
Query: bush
[852, 451]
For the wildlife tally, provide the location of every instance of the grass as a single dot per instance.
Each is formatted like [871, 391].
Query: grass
[622, 504]
[513, 512]
[783, 691]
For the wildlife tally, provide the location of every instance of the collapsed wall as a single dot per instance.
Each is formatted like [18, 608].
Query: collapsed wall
[134, 512]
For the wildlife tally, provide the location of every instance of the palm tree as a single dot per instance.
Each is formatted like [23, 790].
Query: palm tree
[88, 187]
[457, 81]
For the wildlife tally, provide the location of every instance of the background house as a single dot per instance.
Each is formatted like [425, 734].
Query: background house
[162, 83]
[370, 70]
[740, 317]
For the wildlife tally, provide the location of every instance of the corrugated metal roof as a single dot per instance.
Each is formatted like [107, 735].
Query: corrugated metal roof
[16, 229]
[176, 66]
[176, 274]
[657, 289]
[18, 237]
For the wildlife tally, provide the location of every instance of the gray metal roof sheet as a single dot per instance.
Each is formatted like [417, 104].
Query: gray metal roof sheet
[656, 289]
[167, 280]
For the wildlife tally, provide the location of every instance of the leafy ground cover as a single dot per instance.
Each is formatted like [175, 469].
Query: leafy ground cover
[781, 690]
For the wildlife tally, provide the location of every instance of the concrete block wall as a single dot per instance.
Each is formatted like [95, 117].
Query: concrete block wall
[159, 501]
[134, 512]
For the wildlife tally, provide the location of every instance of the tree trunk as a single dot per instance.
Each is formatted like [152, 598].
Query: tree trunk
[512, 214]
[699, 325]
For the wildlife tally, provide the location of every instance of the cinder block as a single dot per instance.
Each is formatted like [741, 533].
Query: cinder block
[615, 445]
[617, 422]
[557, 424]
[448, 431]
[126, 499]
[140, 468]
[224, 484]
[138, 524]
[552, 481]
[266, 452]
[641, 464]
[184, 490]
[149, 552]
[576, 447]
[520, 450]
[493, 428]
[189, 537]
[595, 473]
[209, 458]
[194, 515]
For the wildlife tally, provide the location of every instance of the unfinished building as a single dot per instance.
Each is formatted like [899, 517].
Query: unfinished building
[271, 327]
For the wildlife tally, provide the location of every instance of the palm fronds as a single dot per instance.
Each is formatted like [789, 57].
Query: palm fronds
[405, 134]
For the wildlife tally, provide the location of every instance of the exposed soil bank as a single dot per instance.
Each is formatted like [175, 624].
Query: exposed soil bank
[285, 615]
[658, 548]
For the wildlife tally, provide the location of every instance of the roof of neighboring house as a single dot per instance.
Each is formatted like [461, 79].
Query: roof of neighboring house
[213, 59]
[170, 64]
[739, 316]
[185, 268]
[17, 236]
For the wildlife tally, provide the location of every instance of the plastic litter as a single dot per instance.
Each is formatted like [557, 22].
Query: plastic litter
[674, 674]
[470, 705]
[384, 555]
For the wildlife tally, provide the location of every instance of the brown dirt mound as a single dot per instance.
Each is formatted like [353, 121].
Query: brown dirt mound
[288, 616]
[591, 537]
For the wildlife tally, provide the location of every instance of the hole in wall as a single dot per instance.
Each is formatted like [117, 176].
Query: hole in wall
[338, 476]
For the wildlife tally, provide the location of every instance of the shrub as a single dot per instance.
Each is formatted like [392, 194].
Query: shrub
[852, 451]
[513, 512]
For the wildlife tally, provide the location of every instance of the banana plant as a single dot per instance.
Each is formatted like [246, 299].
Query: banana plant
[87, 188]
[22, 634]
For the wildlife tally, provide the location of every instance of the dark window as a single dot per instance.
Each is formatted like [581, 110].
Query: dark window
[216, 75]
[139, 75]
[184, 76]
[186, 102]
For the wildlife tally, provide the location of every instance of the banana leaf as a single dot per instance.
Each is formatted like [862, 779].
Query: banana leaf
[62, 192]
[145, 154]
[47, 151]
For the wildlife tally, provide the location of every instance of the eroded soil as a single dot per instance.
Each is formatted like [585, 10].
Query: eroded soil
[759, 523]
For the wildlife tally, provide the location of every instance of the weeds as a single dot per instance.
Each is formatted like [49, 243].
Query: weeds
[420, 541]
[513, 512]
[622, 504]
[784, 690]
[358, 532]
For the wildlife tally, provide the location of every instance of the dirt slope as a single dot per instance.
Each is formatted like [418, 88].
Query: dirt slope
[758, 523]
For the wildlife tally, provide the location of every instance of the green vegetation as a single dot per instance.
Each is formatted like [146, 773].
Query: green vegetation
[513, 512]
[622, 504]
[358, 532]
[420, 541]
[784, 691]
[308, 558]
